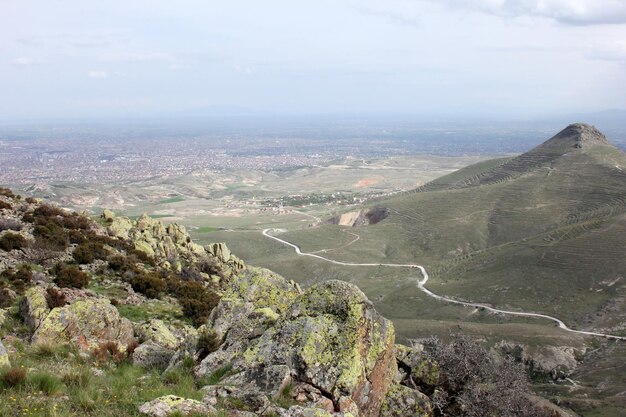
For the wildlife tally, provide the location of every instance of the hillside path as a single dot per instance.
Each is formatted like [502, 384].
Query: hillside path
[424, 280]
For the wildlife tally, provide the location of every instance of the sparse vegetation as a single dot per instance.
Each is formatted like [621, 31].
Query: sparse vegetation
[148, 283]
[69, 276]
[11, 241]
[54, 298]
[87, 252]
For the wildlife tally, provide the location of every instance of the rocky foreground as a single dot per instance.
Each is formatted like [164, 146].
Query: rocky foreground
[119, 317]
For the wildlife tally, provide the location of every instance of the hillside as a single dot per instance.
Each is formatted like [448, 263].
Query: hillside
[118, 317]
[542, 231]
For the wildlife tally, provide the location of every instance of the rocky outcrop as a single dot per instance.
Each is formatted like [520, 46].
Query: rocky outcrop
[152, 355]
[171, 245]
[162, 344]
[170, 404]
[332, 339]
[253, 301]
[34, 307]
[402, 401]
[86, 323]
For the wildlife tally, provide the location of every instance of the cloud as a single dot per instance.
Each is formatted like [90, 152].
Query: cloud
[26, 61]
[571, 12]
[575, 12]
[97, 74]
[140, 57]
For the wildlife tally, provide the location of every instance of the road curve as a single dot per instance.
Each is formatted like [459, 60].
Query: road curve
[424, 280]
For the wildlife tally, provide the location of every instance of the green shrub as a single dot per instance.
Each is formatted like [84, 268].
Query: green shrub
[76, 221]
[197, 301]
[54, 298]
[207, 343]
[68, 276]
[76, 237]
[51, 235]
[6, 192]
[87, 252]
[46, 210]
[13, 377]
[121, 263]
[149, 284]
[10, 241]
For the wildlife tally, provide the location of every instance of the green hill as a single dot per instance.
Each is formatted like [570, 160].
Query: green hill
[543, 231]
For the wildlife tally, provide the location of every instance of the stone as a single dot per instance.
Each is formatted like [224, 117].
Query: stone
[333, 338]
[4, 357]
[120, 227]
[157, 332]
[34, 307]
[170, 404]
[90, 322]
[108, 215]
[252, 303]
[402, 401]
[152, 355]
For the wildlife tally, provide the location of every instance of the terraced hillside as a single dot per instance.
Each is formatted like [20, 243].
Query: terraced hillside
[543, 231]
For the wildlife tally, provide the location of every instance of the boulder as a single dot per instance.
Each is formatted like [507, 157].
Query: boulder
[120, 227]
[34, 307]
[108, 215]
[152, 355]
[158, 333]
[170, 404]
[4, 357]
[299, 411]
[332, 338]
[402, 401]
[86, 323]
[252, 303]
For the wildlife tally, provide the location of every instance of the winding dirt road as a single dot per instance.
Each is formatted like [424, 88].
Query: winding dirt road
[424, 280]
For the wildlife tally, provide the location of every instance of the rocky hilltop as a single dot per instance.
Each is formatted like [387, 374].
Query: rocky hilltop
[113, 317]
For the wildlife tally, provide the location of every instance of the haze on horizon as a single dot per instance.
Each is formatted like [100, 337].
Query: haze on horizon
[77, 59]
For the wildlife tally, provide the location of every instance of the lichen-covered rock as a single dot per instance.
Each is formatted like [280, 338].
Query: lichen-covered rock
[333, 339]
[152, 355]
[34, 307]
[108, 215]
[402, 401]
[170, 404]
[120, 227]
[299, 411]
[91, 322]
[414, 366]
[4, 357]
[157, 332]
[252, 303]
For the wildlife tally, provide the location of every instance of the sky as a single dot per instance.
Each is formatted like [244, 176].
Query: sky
[101, 59]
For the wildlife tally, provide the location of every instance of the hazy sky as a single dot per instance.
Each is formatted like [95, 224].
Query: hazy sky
[88, 58]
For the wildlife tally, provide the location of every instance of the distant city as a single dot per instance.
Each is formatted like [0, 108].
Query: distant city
[127, 153]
